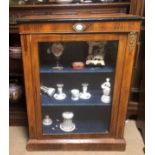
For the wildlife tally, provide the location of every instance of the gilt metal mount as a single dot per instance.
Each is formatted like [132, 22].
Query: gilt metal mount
[132, 40]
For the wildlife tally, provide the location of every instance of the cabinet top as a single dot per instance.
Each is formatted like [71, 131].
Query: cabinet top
[77, 17]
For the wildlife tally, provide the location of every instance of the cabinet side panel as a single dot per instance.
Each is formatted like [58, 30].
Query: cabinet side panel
[126, 83]
[118, 82]
[26, 55]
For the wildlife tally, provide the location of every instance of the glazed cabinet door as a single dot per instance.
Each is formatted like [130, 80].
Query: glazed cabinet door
[72, 99]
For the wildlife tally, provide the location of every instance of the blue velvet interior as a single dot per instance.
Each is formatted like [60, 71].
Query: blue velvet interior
[72, 81]
[88, 70]
[95, 100]
[87, 119]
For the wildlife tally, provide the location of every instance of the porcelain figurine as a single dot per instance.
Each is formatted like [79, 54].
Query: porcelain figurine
[60, 95]
[106, 86]
[67, 125]
[96, 53]
[47, 120]
[85, 94]
[75, 94]
[47, 90]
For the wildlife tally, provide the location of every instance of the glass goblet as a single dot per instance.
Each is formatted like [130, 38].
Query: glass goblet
[57, 50]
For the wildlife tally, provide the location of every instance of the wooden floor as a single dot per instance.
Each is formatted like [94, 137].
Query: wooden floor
[135, 145]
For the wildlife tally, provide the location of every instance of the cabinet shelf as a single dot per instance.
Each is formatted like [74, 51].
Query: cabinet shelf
[95, 100]
[106, 69]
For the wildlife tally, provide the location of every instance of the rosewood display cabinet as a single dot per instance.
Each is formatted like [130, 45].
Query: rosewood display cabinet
[77, 72]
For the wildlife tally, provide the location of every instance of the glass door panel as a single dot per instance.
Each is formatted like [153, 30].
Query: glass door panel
[76, 86]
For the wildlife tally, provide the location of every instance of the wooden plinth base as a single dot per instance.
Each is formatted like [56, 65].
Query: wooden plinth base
[76, 144]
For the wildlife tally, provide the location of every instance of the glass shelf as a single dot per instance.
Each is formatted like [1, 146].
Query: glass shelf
[95, 100]
[105, 69]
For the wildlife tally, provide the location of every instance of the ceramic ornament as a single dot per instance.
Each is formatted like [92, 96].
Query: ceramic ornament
[106, 86]
[67, 125]
[47, 120]
[75, 94]
[60, 95]
[85, 94]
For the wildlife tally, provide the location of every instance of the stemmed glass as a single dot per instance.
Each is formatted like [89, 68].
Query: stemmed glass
[57, 50]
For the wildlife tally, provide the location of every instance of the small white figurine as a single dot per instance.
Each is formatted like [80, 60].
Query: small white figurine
[67, 125]
[60, 95]
[85, 94]
[47, 120]
[106, 86]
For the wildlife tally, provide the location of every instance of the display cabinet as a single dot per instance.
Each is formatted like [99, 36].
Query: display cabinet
[77, 72]
[19, 8]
